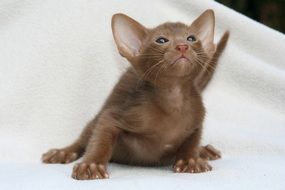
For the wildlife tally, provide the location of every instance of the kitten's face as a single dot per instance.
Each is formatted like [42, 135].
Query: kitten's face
[171, 49]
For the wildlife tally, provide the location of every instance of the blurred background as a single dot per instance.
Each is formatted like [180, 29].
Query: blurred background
[268, 12]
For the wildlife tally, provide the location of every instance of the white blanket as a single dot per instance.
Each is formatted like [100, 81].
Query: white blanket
[58, 63]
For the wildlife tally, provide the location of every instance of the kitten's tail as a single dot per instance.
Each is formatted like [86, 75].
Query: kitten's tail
[207, 73]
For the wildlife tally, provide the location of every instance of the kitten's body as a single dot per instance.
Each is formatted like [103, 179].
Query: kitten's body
[155, 113]
[173, 112]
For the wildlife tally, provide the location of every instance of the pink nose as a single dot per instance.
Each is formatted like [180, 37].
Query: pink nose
[182, 48]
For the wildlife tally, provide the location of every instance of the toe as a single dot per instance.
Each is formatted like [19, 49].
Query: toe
[213, 153]
[103, 171]
[180, 166]
[49, 156]
[87, 171]
[71, 157]
[82, 171]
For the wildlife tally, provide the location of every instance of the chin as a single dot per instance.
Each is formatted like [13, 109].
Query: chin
[181, 67]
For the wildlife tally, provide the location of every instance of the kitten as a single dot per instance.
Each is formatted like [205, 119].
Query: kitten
[154, 115]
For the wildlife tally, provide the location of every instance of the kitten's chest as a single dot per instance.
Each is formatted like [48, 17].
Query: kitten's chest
[173, 100]
[175, 117]
[170, 125]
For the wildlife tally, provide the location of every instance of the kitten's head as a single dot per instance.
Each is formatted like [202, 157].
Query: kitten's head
[169, 50]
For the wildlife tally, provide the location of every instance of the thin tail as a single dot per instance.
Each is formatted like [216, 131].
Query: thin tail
[207, 73]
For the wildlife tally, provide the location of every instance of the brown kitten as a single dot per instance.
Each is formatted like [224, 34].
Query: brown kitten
[155, 113]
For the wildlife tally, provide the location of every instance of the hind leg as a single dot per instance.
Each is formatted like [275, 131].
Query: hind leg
[72, 152]
[209, 152]
[63, 155]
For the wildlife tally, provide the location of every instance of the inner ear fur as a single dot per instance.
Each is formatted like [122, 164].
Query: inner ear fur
[128, 35]
[204, 28]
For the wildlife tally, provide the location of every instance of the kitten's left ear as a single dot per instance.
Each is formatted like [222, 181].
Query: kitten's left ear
[204, 27]
[128, 35]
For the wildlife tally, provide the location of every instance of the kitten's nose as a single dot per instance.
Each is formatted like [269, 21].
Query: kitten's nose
[182, 48]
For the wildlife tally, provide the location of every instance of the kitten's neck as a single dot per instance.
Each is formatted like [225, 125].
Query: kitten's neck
[172, 93]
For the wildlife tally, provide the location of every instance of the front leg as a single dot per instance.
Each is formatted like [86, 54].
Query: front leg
[187, 157]
[99, 150]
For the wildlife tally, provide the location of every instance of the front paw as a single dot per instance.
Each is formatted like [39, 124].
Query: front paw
[192, 165]
[88, 171]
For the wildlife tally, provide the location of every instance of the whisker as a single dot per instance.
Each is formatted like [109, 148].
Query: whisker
[150, 54]
[211, 63]
[156, 49]
[150, 70]
[203, 66]
[158, 72]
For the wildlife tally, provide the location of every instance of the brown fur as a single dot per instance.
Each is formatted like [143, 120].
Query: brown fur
[154, 116]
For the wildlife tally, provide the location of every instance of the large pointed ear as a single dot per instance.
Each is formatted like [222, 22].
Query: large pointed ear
[128, 35]
[204, 27]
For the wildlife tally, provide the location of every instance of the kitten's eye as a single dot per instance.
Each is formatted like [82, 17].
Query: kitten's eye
[191, 38]
[161, 40]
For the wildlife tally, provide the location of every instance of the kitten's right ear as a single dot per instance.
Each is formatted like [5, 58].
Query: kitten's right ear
[128, 35]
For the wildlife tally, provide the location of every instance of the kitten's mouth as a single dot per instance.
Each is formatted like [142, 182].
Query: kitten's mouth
[182, 58]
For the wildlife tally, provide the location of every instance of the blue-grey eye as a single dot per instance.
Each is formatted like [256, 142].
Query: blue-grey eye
[191, 38]
[161, 40]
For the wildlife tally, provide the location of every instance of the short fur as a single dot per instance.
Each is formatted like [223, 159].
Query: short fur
[154, 116]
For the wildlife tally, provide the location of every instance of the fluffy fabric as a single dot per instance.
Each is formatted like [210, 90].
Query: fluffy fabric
[58, 62]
